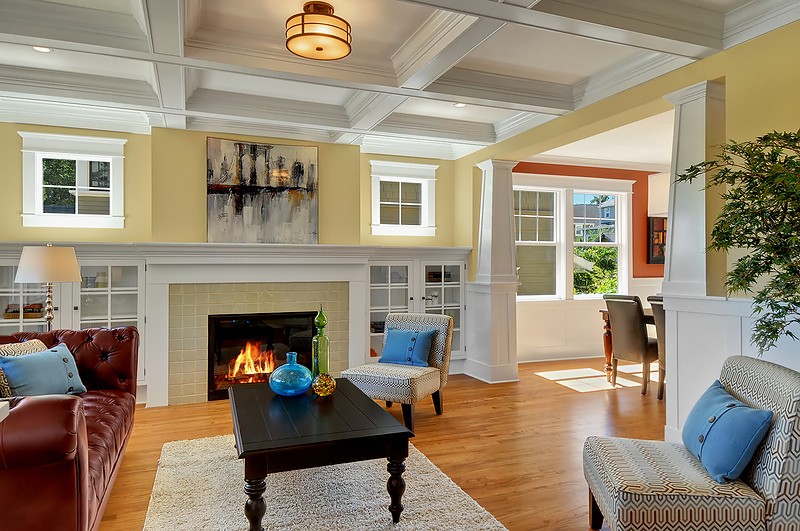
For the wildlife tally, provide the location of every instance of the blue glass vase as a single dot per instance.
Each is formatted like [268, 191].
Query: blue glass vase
[291, 378]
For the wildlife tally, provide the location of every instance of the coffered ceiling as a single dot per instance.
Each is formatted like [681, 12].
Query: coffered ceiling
[212, 65]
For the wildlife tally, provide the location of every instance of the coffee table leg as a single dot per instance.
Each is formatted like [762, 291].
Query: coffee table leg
[255, 507]
[396, 486]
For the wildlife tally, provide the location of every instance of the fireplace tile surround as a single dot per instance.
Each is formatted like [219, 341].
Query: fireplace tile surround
[191, 304]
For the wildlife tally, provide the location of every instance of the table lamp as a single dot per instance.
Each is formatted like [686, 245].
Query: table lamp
[47, 265]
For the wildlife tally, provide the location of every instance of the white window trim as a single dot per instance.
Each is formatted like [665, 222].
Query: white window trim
[558, 243]
[404, 172]
[36, 146]
[567, 186]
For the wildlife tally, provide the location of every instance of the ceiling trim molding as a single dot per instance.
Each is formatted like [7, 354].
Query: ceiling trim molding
[367, 109]
[71, 23]
[519, 123]
[757, 18]
[430, 149]
[535, 95]
[632, 72]
[600, 163]
[243, 128]
[429, 127]
[70, 115]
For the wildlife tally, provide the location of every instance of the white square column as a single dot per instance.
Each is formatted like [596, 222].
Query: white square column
[492, 298]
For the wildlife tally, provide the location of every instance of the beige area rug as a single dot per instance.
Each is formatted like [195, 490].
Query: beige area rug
[199, 486]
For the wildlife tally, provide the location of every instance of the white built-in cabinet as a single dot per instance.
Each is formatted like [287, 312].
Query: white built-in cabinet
[416, 286]
[109, 295]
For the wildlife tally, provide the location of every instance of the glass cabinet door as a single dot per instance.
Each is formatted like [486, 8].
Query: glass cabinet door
[388, 293]
[109, 296]
[23, 304]
[443, 295]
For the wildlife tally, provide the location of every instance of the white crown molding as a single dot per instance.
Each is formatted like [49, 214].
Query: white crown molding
[71, 23]
[757, 18]
[78, 116]
[600, 163]
[213, 125]
[519, 123]
[366, 109]
[79, 87]
[440, 29]
[488, 89]
[441, 128]
[627, 74]
[408, 147]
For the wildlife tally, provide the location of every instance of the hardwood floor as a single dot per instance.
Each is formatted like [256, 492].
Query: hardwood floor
[515, 448]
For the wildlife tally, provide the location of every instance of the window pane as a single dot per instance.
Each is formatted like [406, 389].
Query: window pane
[93, 204]
[410, 215]
[58, 172]
[390, 192]
[527, 231]
[547, 202]
[411, 193]
[537, 270]
[390, 214]
[100, 174]
[595, 270]
[526, 204]
[546, 230]
[595, 218]
[58, 200]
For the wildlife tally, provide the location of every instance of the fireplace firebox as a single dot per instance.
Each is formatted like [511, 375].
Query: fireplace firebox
[246, 348]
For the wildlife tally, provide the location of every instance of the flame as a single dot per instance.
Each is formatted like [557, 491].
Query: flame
[251, 361]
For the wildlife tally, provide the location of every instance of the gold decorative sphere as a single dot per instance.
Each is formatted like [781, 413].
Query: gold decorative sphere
[323, 385]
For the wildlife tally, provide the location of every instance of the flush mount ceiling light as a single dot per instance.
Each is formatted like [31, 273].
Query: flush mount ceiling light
[43, 49]
[317, 33]
[459, 105]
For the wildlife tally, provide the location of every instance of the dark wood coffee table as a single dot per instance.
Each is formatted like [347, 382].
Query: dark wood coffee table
[279, 433]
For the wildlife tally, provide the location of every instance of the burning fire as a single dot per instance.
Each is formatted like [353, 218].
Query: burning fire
[250, 364]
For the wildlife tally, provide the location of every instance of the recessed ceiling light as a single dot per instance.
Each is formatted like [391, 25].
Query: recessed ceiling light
[43, 49]
[460, 105]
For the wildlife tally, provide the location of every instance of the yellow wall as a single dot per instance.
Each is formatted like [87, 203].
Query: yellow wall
[137, 190]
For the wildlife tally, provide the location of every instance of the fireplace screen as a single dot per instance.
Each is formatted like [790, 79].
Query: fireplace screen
[247, 347]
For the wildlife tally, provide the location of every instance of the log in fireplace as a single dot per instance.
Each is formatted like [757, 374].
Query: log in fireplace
[245, 348]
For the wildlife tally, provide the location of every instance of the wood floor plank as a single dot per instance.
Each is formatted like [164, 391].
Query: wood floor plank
[515, 447]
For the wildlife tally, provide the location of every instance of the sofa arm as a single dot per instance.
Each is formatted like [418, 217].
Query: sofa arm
[42, 430]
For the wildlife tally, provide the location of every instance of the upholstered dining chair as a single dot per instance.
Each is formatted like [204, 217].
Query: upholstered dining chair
[408, 384]
[629, 335]
[657, 304]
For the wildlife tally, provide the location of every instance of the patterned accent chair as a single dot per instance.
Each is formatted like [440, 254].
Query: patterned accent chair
[407, 384]
[645, 485]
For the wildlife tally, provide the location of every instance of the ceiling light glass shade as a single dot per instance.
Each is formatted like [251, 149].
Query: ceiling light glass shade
[317, 33]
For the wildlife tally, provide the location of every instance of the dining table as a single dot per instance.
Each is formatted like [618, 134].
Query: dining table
[608, 343]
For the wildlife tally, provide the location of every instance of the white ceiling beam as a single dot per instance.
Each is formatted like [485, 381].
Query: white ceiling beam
[164, 19]
[367, 109]
[658, 25]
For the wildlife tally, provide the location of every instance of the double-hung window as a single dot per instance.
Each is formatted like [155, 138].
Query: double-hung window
[571, 236]
[403, 198]
[72, 181]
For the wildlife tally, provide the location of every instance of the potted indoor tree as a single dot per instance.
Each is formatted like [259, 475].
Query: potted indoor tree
[761, 215]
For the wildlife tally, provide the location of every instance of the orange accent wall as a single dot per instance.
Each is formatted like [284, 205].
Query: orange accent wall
[641, 269]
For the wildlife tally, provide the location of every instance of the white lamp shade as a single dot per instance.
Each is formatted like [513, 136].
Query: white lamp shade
[47, 264]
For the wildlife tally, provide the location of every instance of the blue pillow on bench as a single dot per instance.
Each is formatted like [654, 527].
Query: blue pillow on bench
[724, 433]
[407, 347]
[51, 372]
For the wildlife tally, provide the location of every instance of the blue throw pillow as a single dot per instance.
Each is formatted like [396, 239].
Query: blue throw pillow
[51, 372]
[407, 347]
[724, 433]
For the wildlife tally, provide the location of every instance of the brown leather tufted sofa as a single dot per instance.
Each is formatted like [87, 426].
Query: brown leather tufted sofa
[60, 454]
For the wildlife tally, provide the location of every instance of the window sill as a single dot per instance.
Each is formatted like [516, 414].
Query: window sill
[73, 221]
[402, 230]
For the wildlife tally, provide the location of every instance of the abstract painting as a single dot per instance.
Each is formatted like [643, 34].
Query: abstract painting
[261, 193]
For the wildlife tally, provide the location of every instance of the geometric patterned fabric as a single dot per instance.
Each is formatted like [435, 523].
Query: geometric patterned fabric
[647, 485]
[17, 349]
[656, 485]
[406, 384]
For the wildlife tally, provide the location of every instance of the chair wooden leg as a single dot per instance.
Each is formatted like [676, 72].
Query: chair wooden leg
[614, 363]
[437, 402]
[408, 416]
[595, 516]
[662, 374]
[645, 376]
[388, 404]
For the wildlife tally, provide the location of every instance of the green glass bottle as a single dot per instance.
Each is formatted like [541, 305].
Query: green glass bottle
[320, 346]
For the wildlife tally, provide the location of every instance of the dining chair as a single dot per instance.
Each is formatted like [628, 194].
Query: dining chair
[657, 304]
[629, 335]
